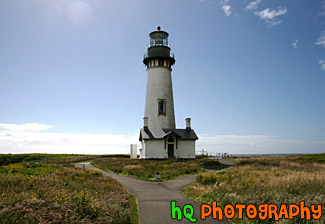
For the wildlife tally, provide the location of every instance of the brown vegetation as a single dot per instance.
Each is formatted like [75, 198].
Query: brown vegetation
[47, 194]
[277, 180]
[147, 169]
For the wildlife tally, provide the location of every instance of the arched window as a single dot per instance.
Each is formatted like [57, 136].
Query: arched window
[162, 107]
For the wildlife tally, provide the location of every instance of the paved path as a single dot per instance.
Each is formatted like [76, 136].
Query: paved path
[154, 197]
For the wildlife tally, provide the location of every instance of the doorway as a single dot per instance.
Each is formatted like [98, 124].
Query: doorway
[170, 150]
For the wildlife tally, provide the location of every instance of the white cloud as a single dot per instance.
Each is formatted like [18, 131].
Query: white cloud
[253, 4]
[271, 16]
[295, 43]
[34, 137]
[321, 40]
[227, 9]
[322, 64]
[28, 127]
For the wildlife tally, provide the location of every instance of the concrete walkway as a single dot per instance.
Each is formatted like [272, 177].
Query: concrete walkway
[154, 197]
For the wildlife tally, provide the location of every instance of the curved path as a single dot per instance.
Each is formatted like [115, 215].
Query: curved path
[154, 197]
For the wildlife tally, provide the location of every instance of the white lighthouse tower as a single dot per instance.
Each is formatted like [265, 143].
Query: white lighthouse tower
[159, 106]
[159, 136]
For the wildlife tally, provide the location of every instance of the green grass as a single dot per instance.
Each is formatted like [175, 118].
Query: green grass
[277, 180]
[27, 171]
[6, 159]
[135, 219]
[320, 158]
[147, 169]
[48, 194]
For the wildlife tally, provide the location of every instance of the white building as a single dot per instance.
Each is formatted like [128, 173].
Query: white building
[159, 137]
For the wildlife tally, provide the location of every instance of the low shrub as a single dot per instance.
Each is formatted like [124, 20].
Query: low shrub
[207, 179]
[48, 194]
[210, 162]
[276, 180]
[147, 169]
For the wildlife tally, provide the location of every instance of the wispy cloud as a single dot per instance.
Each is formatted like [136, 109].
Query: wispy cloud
[227, 9]
[321, 40]
[271, 16]
[28, 127]
[253, 5]
[295, 43]
[322, 11]
[322, 64]
[34, 137]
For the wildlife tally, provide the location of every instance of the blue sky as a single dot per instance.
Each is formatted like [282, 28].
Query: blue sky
[250, 74]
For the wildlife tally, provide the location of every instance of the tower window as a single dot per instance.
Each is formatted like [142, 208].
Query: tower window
[161, 62]
[162, 107]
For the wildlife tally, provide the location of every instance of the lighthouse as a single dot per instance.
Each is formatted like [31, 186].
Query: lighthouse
[159, 106]
[159, 136]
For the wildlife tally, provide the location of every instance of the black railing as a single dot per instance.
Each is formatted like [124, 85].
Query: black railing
[146, 55]
[159, 44]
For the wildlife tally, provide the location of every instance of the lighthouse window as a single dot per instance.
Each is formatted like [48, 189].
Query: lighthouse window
[159, 41]
[165, 42]
[161, 107]
[161, 62]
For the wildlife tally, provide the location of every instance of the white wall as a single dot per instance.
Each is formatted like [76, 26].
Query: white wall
[186, 149]
[153, 149]
[143, 150]
[133, 151]
[159, 86]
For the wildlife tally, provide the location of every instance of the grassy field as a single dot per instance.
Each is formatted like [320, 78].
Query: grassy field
[6, 159]
[258, 180]
[49, 194]
[147, 169]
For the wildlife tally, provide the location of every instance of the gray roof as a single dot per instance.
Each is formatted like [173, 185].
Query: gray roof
[159, 133]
